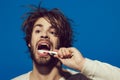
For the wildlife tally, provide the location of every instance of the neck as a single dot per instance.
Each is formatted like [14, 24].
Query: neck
[45, 73]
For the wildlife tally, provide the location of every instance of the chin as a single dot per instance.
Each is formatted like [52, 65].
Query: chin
[43, 60]
[46, 61]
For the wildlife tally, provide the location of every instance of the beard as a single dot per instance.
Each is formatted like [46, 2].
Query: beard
[44, 61]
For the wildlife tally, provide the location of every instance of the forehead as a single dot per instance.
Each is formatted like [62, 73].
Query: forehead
[42, 22]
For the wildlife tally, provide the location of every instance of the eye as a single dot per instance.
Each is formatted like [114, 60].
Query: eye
[37, 31]
[53, 32]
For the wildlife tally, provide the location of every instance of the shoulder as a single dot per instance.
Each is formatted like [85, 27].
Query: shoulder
[75, 75]
[22, 77]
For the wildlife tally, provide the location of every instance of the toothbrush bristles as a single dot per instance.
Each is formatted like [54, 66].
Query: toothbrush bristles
[50, 52]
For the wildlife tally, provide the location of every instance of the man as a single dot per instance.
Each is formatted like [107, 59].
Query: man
[50, 30]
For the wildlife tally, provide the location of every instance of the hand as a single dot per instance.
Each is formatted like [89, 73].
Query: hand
[71, 57]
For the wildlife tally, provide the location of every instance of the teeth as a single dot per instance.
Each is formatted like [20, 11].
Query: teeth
[44, 44]
[50, 52]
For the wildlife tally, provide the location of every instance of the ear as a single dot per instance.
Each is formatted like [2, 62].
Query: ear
[29, 45]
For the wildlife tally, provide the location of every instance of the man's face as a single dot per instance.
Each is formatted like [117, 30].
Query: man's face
[43, 38]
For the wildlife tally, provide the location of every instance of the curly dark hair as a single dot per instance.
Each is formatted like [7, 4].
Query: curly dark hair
[57, 20]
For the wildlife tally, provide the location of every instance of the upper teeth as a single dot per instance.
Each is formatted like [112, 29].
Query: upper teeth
[44, 44]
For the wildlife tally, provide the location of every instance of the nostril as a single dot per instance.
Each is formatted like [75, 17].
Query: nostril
[44, 36]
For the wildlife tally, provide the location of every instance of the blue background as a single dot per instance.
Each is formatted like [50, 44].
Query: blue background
[96, 26]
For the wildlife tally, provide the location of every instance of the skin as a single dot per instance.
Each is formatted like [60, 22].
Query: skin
[44, 33]
[71, 57]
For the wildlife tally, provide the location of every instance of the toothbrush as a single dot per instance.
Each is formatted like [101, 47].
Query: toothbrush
[50, 52]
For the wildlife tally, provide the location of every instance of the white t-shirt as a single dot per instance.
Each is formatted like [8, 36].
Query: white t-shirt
[93, 69]
[26, 76]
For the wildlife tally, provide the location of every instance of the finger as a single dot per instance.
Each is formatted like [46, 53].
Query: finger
[73, 50]
[68, 54]
[60, 53]
[64, 53]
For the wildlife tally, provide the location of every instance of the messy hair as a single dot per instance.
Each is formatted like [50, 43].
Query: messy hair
[56, 18]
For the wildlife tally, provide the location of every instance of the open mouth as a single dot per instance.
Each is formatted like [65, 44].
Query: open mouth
[43, 47]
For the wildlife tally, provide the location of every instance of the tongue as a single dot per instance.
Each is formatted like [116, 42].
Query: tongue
[43, 54]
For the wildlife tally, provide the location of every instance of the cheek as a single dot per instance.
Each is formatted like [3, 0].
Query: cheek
[33, 40]
[56, 41]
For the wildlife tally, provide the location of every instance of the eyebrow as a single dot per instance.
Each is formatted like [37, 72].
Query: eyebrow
[40, 25]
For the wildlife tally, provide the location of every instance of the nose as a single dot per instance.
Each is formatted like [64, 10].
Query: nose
[44, 35]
